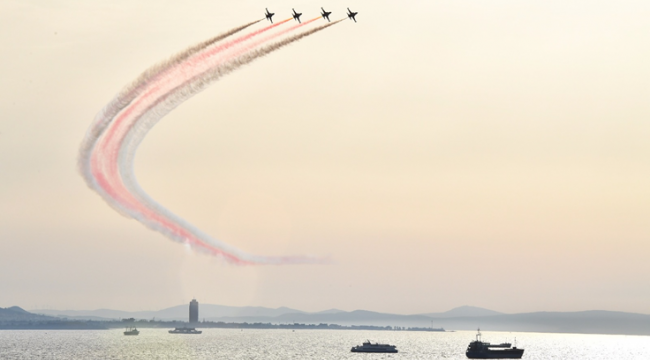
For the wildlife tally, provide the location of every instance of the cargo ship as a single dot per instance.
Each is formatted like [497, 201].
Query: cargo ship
[369, 347]
[478, 349]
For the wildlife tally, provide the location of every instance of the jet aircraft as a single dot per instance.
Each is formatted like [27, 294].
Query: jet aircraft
[269, 15]
[296, 16]
[351, 15]
[325, 14]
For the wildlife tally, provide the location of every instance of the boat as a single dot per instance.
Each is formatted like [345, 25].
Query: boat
[131, 330]
[369, 347]
[478, 349]
[185, 330]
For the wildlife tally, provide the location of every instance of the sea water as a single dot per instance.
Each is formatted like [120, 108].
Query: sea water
[304, 344]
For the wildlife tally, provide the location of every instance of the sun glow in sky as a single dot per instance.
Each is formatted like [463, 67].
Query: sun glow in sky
[441, 153]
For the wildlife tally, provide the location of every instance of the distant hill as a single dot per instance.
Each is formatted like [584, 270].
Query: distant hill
[222, 312]
[330, 311]
[461, 318]
[464, 311]
[16, 313]
[363, 317]
[357, 317]
[179, 312]
[583, 322]
[99, 314]
[15, 318]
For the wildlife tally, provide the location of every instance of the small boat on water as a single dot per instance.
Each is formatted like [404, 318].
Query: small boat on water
[185, 330]
[131, 330]
[369, 347]
[483, 350]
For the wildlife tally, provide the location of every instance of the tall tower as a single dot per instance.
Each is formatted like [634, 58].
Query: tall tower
[194, 311]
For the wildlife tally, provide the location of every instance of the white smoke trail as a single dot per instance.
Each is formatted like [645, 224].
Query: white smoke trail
[128, 94]
[161, 79]
[136, 133]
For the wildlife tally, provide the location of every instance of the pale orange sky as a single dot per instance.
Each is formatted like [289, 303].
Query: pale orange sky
[442, 153]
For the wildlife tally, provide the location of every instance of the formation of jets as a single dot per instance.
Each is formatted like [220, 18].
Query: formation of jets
[296, 16]
[351, 15]
[269, 15]
[324, 14]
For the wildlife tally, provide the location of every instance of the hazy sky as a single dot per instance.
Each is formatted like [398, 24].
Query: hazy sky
[442, 153]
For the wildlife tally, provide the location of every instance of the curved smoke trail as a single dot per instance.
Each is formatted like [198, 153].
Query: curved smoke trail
[128, 94]
[107, 153]
[170, 71]
[104, 160]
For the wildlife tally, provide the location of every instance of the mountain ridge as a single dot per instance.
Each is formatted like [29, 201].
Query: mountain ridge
[464, 311]
[585, 322]
[211, 311]
[16, 313]
[179, 312]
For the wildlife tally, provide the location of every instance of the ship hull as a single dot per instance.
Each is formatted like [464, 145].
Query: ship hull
[189, 331]
[496, 354]
[373, 351]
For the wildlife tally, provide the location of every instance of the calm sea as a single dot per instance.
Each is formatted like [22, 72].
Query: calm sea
[303, 344]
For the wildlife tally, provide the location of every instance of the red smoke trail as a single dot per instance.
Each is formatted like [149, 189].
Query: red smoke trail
[102, 120]
[190, 64]
[105, 156]
[183, 67]
[117, 190]
[276, 35]
[107, 145]
[117, 126]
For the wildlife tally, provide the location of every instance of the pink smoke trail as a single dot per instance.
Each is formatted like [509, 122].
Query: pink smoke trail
[128, 150]
[161, 84]
[134, 89]
[198, 64]
[105, 158]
